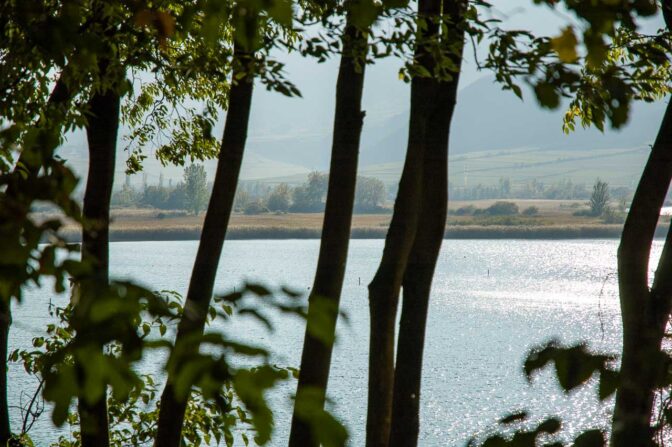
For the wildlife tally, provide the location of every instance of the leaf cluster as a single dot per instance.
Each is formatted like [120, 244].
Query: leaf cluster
[574, 367]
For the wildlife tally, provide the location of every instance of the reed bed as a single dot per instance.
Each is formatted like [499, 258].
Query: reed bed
[183, 233]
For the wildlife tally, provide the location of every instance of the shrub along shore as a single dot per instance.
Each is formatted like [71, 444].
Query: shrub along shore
[183, 233]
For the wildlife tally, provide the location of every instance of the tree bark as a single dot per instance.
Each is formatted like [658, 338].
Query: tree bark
[385, 286]
[328, 283]
[644, 312]
[101, 132]
[5, 323]
[422, 261]
[60, 96]
[201, 285]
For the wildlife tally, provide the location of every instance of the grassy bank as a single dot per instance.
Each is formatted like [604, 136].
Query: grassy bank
[453, 232]
[554, 220]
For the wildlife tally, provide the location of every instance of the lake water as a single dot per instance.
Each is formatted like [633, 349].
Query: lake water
[491, 302]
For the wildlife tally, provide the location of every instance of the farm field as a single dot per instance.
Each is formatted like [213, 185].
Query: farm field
[618, 167]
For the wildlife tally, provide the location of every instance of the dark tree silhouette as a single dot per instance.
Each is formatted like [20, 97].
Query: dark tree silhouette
[385, 286]
[201, 285]
[101, 132]
[422, 260]
[645, 311]
[326, 292]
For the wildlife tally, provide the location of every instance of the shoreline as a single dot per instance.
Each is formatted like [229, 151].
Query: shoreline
[189, 233]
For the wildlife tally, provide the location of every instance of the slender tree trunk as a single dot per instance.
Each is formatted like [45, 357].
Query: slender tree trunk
[5, 323]
[385, 286]
[644, 312]
[60, 96]
[326, 293]
[101, 133]
[171, 415]
[419, 272]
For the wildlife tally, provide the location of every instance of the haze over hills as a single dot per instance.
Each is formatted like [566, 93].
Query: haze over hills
[488, 118]
[494, 134]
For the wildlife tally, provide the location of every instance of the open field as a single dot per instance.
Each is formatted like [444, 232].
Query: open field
[555, 220]
[618, 167]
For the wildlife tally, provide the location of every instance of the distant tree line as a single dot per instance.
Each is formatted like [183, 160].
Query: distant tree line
[193, 192]
[309, 197]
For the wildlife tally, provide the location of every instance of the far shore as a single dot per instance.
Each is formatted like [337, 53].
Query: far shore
[554, 219]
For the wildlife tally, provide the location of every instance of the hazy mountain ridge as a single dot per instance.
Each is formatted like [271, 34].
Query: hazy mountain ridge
[487, 120]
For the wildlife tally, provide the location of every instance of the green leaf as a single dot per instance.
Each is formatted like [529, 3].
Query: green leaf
[550, 426]
[322, 314]
[590, 438]
[565, 45]
[326, 429]
[514, 417]
[609, 381]
[547, 95]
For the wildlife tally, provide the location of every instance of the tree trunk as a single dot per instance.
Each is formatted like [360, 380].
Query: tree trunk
[101, 133]
[171, 415]
[5, 323]
[385, 286]
[419, 272]
[644, 312]
[60, 96]
[348, 120]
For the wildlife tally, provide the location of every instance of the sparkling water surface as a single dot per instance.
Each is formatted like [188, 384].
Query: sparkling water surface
[491, 302]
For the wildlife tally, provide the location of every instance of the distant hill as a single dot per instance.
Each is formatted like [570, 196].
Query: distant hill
[618, 167]
[255, 167]
[488, 118]
[493, 135]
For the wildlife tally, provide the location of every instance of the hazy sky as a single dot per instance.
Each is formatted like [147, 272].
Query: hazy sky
[275, 116]
[279, 119]
[384, 93]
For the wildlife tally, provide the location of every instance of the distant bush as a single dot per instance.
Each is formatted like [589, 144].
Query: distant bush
[255, 208]
[599, 199]
[279, 199]
[502, 209]
[584, 213]
[485, 221]
[169, 214]
[465, 211]
[371, 209]
[612, 216]
[530, 211]
[369, 195]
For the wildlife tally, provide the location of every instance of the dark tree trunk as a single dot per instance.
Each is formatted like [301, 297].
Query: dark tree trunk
[101, 132]
[385, 286]
[171, 415]
[60, 96]
[5, 323]
[419, 272]
[644, 312]
[348, 120]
